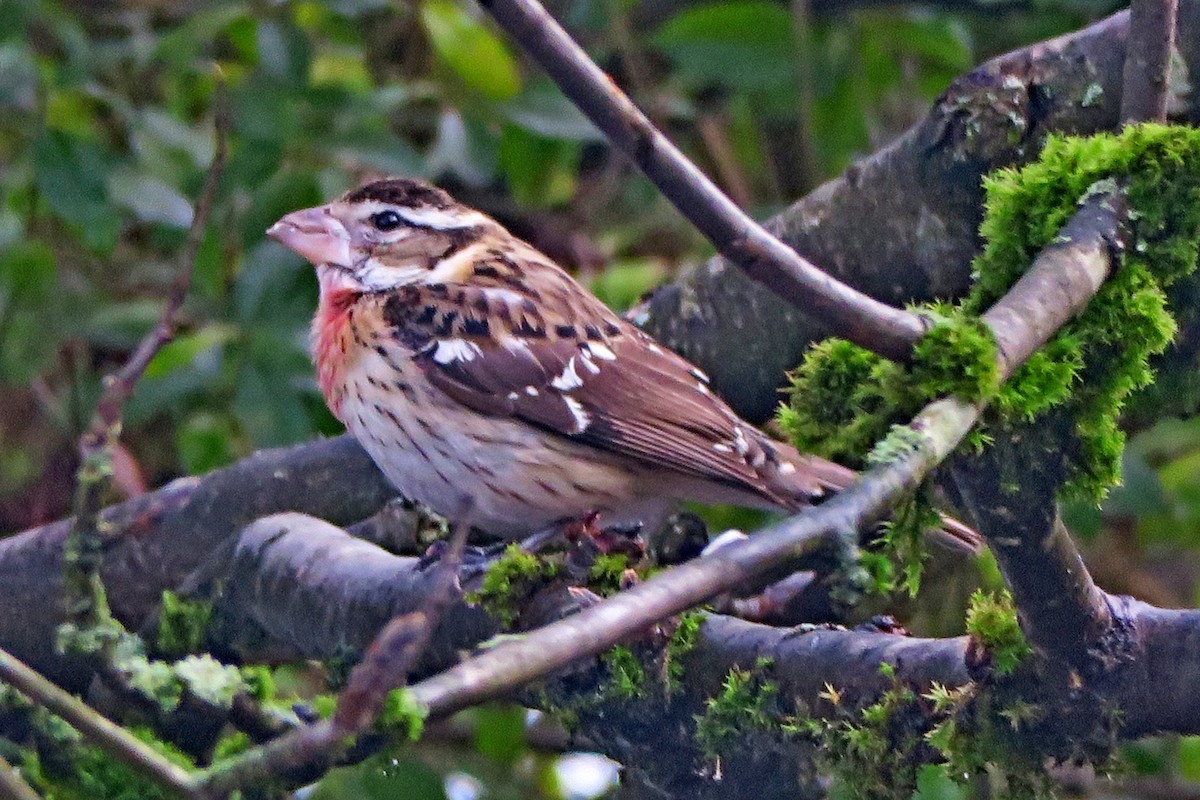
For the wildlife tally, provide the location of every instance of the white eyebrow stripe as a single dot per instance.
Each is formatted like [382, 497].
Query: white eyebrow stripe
[440, 219]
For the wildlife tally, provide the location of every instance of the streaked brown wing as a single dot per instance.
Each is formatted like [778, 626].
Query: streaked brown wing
[596, 379]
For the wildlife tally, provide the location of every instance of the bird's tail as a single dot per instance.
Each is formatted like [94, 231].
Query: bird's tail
[814, 477]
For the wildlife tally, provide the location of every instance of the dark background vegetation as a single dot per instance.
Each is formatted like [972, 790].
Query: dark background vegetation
[105, 133]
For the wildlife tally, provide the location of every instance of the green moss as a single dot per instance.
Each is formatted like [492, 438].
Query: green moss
[683, 640]
[181, 625]
[842, 398]
[957, 357]
[903, 742]
[746, 701]
[233, 744]
[260, 683]
[627, 676]
[896, 558]
[403, 714]
[604, 576]
[992, 622]
[510, 581]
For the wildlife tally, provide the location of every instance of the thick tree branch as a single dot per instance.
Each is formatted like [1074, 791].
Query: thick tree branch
[841, 310]
[153, 542]
[1062, 610]
[922, 196]
[1144, 95]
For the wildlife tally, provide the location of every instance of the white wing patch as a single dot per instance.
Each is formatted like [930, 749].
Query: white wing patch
[600, 351]
[451, 350]
[582, 420]
[569, 379]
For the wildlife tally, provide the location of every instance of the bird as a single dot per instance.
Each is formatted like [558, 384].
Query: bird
[476, 372]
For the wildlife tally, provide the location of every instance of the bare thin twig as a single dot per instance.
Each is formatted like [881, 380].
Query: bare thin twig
[85, 592]
[385, 667]
[849, 313]
[108, 736]
[1144, 94]
[396, 650]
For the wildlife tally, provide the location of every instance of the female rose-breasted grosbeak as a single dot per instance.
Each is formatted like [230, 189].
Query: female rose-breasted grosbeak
[470, 365]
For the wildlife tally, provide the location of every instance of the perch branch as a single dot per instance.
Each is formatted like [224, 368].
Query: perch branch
[849, 313]
[386, 666]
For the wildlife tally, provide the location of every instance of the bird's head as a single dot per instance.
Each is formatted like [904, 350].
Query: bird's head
[383, 235]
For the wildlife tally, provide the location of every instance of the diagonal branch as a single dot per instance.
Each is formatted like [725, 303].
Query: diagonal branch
[847, 312]
[1058, 285]
[108, 736]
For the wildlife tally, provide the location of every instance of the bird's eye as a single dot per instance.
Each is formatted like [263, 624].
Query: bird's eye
[385, 220]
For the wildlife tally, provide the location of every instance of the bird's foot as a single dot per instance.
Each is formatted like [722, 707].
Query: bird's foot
[475, 559]
[624, 539]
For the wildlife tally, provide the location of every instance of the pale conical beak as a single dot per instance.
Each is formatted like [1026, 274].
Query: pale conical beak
[316, 235]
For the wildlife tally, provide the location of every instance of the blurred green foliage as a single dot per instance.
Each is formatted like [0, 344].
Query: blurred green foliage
[105, 134]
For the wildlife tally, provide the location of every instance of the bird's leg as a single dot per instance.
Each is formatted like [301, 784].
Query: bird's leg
[622, 539]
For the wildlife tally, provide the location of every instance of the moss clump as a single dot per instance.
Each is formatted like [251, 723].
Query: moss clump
[627, 676]
[842, 400]
[604, 576]
[181, 625]
[896, 558]
[904, 742]
[746, 701]
[510, 581]
[403, 714]
[848, 397]
[683, 641]
[957, 357]
[992, 623]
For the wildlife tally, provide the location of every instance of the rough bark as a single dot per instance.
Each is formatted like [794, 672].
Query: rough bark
[902, 224]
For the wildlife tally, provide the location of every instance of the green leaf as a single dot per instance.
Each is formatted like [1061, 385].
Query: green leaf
[934, 784]
[500, 731]
[150, 198]
[29, 332]
[183, 350]
[27, 273]
[539, 171]
[72, 174]
[284, 51]
[268, 406]
[623, 283]
[205, 442]
[747, 44]
[476, 55]
[542, 109]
